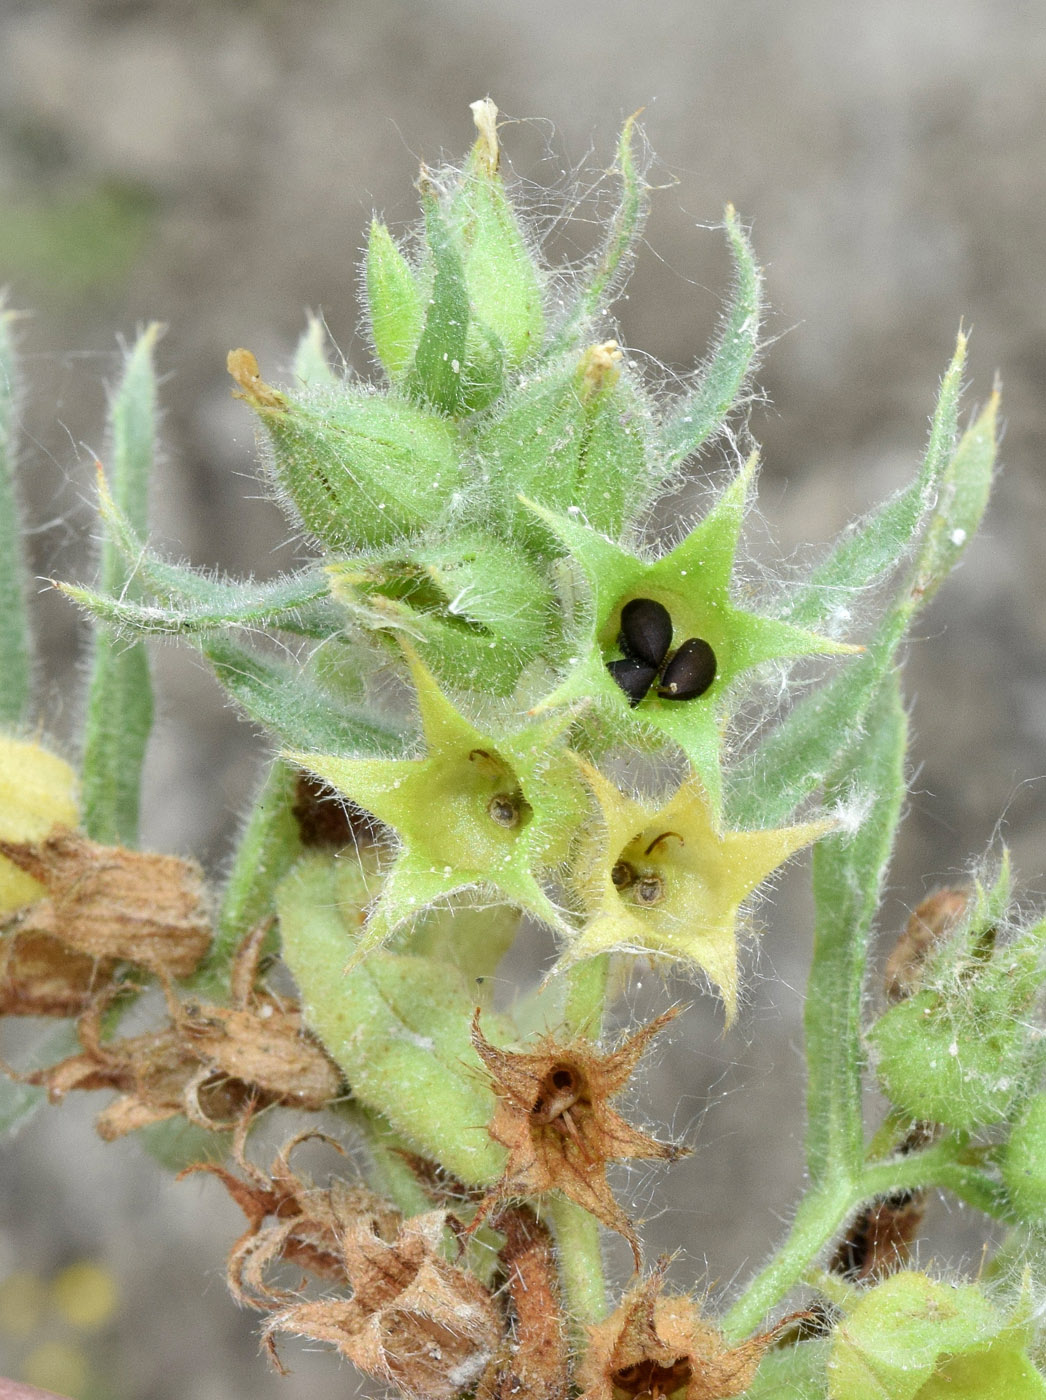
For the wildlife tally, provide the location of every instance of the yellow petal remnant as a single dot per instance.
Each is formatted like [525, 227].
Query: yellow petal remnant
[669, 883]
[37, 793]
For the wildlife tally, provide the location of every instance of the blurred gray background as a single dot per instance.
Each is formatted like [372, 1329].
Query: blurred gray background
[214, 165]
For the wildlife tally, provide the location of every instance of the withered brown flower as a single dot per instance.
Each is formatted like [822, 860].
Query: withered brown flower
[660, 1346]
[210, 1063]
[414, 1320]
[554, 1118]
[106, 902]
[41, 976]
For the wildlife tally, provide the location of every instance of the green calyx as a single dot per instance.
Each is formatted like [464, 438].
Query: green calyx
[494, 810]
[693, 582]
[360, 469]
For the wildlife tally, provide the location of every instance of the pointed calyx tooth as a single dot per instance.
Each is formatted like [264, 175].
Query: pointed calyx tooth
[243, 367]
[485, 115]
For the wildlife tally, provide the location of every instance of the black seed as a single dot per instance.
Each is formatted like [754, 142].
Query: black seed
[634, 677]
[646, 631]
[690, 672]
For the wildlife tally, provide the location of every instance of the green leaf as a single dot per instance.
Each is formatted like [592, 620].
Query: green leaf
[439, 361]
[119, 700]
[15, 649]
[398, 1026]
[702, 412]
[600, 280]
[848, 872]
[282, 697]
[877, 543]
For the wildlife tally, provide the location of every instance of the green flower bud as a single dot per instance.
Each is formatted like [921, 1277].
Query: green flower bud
[503, 280]
[571, 439]
[1024, 1161]
[959, 1054]
[393, 302]
[912, 1338]
[360, 470]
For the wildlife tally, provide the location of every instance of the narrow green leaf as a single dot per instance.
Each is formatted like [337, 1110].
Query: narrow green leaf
[609, 268]
[874, 545]
[436, 375]
[848, 873]
[701, 413]
[18, 1103]
[211, 605]
[119, 699]
[15, 649]
[280, 696]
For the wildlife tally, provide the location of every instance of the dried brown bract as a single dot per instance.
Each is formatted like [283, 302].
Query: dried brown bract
[555, 1119]
[930, 923]
[414, 1320]
[880, 1238]
[106, 902]
[661, 1347]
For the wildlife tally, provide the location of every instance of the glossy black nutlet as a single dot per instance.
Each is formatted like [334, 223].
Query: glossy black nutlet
[634, 677]
[689, 673]
[646, 631]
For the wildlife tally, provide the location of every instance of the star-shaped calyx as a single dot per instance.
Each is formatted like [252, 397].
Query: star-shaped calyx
[670, 884]
[555, 1120]
[692, 585]
[492, 810]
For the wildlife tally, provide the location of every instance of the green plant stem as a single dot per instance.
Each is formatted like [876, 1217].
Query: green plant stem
[586, 996]
[14, 616]
[268, 847]
[580, 1260]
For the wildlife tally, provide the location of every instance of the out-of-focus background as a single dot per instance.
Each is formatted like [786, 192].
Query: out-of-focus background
[213, 164]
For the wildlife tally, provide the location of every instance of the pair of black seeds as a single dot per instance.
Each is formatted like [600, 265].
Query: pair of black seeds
[645, 638]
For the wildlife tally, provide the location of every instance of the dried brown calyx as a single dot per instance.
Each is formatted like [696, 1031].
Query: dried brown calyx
[42, 976]
[661, 1347]
[109, 903]
[536, 1363]
[929, 925]
[555, 1120]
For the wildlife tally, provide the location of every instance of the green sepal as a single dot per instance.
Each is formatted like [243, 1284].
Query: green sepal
[477, 608]
[119, 698]
[698, 875]
[448, 807]
[912, 1338]
[693, 583]
[793, 1373]
[960, 1052]
[284, 699]
[699, 415]
[397, 1026]
[15, 645]
[394, 303]
[1023, 1162]
[438, 374]
[360, 469]
[503, 280]
[573, 436]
